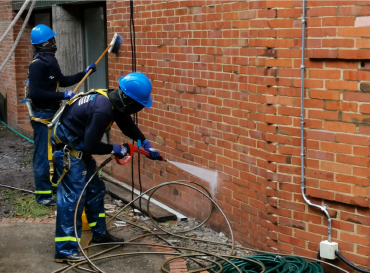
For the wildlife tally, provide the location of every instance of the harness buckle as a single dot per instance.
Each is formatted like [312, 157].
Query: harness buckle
[66, 159]
[79, 155]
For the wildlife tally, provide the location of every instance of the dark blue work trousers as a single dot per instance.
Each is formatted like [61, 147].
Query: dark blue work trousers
[68, 192]
[40, 157]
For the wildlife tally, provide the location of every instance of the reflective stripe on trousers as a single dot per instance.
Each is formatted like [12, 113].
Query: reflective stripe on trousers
[94, 223]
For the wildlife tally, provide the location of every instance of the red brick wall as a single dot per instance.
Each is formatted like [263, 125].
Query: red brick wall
[226, 90]
[15, 72]
[7, 83]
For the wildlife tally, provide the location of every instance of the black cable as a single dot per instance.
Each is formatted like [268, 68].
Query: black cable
[350, 264]
[139, 169]
[136, 120]
[132, 36]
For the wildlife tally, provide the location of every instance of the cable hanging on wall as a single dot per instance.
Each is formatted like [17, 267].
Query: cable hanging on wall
[136, 119]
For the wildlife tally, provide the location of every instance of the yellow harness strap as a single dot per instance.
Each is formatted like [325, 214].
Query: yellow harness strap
[74, 153]
[44, 121]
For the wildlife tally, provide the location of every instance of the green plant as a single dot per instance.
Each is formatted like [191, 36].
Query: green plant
[24, 206]
[28, 207]
[28, 159]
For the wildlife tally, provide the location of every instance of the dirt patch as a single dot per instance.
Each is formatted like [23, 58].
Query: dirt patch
[16, 155]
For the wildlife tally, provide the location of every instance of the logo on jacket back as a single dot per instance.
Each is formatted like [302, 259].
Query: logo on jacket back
[51, 77]
[86, 99]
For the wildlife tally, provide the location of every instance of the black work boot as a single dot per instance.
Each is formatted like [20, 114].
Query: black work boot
[74, 258]
[107, 238]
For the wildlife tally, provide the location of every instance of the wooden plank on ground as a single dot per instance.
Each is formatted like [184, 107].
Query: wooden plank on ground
[159, 214]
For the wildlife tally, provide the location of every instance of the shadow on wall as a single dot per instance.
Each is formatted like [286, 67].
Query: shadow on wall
[3, 108]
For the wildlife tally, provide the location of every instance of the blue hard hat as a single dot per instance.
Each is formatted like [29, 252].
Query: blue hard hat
[138, 87]
[41, 34]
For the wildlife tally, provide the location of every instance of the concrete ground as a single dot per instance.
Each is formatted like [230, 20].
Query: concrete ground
[29, 247]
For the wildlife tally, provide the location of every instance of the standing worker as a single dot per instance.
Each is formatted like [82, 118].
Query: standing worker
[45, 77]
[77, 136]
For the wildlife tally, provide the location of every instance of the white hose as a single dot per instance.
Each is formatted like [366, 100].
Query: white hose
[15, 20]
[19, 35]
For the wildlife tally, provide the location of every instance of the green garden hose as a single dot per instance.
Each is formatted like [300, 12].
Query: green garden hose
[273, 264]
[26, 138]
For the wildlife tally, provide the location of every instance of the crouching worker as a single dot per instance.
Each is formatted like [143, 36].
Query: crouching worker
[77, 136]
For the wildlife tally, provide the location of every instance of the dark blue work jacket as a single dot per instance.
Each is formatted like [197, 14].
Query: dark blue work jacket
[92, 115]
[44, 76]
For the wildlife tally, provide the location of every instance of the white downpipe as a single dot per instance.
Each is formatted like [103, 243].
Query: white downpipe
[303, 186]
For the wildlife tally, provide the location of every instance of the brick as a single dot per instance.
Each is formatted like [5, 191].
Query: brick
[342, 64]
[353, 32]
[338, 21]
[341, 85]
[355, 118]
[324, 115]
[325, 74]
[338, 43]
[279, 63]
[336, 147]
[322, 11]
[341, 106]
[335, 167]
[282, 4]
[353, 139]
[358, 54]
[322, 53]
[350, 96]
[340, 127]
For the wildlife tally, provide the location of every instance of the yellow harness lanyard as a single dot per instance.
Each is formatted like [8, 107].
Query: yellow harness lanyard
[67, 153]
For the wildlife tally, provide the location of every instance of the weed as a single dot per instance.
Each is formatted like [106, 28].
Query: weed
[28, 159]
[28, 207]
[25, 206]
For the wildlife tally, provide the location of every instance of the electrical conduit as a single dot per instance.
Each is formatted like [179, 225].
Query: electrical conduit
[322, 208]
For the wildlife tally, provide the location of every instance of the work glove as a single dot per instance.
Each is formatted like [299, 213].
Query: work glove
[68, 94]
[91, 66]
[154, 155]
[119, 151]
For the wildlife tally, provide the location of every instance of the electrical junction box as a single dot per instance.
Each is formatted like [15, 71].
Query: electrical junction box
[327, 250]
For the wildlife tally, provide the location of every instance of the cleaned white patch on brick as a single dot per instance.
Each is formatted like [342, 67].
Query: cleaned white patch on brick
[207, 175]
[362, 21]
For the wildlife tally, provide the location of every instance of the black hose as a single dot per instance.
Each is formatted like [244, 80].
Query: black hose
[350, 264]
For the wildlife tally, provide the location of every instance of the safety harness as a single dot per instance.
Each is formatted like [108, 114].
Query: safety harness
[69, 148]
[46, 122]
